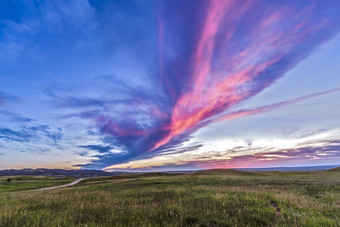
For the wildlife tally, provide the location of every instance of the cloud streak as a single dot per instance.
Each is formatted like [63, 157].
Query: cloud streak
[223, 75]
[243, 113]
[29, 133]
[211, 56]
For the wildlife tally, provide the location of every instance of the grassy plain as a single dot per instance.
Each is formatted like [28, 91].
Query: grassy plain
[206, 198]
[18, 183]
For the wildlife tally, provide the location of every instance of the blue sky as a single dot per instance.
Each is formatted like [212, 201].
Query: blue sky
[163, 85]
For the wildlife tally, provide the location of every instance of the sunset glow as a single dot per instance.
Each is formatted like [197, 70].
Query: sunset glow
[147, 85]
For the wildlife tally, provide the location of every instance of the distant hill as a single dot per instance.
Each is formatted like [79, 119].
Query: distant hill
[293, 168]
[98, 173]
[158, 174]
[57, 172]
[334, 170]
[222, 171]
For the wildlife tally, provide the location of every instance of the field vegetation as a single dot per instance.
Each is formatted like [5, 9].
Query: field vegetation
[18, 183]
[205, 198]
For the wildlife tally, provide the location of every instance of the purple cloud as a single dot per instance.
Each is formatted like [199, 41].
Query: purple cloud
[211, 56]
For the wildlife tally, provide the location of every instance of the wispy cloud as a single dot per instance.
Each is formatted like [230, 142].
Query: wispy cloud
[243, 113]
[15, 117]
[29, 133]
[18, 136]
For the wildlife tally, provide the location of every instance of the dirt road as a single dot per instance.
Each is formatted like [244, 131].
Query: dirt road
[61, 186]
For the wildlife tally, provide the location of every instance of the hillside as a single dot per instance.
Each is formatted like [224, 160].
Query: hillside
[223, 172]
[334, 170]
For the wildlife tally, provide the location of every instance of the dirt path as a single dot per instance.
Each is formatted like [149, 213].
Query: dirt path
[61, 186]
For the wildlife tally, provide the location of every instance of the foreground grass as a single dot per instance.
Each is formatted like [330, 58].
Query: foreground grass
[30, 182]
[210, 198]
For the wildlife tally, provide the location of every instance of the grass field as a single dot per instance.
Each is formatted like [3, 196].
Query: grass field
[19, 183]
[206, 198]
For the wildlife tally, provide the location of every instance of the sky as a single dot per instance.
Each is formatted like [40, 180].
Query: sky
[169, 85]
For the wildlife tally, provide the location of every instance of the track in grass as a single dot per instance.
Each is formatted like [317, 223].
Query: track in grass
[62, 186]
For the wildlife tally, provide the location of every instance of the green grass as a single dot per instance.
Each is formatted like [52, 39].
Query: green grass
[209, 198]
[18, 183]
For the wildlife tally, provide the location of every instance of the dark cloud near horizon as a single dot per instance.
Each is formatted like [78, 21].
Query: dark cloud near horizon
[103, 151]
[98, 148]
[178, 150]
[35, 150]
[83, 153]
